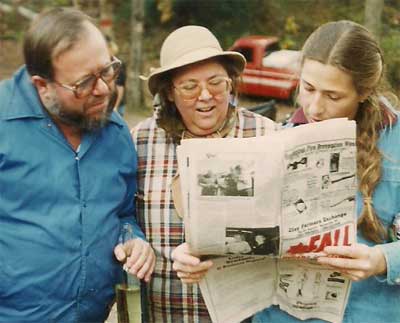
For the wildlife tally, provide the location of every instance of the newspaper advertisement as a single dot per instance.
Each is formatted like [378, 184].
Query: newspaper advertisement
[239, 286]
[266, 206]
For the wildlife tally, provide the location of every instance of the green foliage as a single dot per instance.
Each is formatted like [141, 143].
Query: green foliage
[228, 19]
[39, 5]
[231, 19]
[391, 47]
[11, 26]
[122, 12]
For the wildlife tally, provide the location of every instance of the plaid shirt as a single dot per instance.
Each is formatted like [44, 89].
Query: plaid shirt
[168, 299]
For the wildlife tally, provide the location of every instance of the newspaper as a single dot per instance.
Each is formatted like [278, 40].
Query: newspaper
[265, 208]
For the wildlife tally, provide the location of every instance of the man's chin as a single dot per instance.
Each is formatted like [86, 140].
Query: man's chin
[96, 119]
[85, 123]
[97, 109]
[96, 122]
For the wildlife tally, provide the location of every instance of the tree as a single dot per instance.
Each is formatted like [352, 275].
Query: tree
[134, 86]
[373, 16]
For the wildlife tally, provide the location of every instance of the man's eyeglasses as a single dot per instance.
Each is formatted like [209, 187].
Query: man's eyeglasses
[85, 86]
[191, 90]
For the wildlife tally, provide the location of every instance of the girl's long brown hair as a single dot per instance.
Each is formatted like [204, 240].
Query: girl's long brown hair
[352, 48]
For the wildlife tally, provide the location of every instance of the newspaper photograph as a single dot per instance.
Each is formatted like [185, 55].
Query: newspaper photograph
[264, 208]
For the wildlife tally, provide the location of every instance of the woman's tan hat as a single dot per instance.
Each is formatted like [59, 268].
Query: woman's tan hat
[187, 45]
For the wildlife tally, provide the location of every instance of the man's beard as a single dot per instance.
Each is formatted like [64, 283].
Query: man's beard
[77, 119]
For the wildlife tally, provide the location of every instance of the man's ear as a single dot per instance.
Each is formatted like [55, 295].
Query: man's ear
[41, 85]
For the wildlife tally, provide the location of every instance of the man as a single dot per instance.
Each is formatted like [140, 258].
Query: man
[67, 178]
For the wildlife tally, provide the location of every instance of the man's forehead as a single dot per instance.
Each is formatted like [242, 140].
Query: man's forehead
[71, 40]
[87, 55]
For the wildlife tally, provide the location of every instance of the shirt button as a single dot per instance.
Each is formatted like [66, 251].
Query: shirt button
[49, 125]
[397, 280]
[77, 158]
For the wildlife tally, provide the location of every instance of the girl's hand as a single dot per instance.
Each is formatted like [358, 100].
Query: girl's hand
[357, 262]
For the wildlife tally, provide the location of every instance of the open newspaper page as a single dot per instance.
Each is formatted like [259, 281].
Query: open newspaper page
[318, 192]
[286, 195]
[317, 210]
[229, 198]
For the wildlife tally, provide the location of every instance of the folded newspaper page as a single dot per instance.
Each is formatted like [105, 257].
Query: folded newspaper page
[266, 207]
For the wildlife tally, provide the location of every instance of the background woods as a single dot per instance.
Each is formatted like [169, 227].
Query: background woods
[140, 26]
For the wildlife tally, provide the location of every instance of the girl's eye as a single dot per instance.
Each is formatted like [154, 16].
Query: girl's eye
[333, 97]
[308, 88]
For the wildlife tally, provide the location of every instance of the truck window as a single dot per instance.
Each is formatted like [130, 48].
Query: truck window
[271, 48]
[247, 52]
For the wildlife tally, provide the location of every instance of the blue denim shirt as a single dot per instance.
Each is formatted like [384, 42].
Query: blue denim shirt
[376, 299]
[60, 212]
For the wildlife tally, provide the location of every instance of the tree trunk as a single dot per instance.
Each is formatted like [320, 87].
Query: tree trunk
[373, 16]
[76, 4]
[106, 17]
[134, 86]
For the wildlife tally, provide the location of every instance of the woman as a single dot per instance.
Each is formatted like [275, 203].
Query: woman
[342, 76]
[195, 85]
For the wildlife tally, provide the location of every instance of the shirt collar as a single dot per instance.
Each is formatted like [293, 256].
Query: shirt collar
[298, 117]
[21, 99]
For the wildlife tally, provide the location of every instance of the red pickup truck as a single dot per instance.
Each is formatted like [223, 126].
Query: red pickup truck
[270, 71]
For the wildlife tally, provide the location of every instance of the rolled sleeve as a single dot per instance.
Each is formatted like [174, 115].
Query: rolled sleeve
[391, 253]
[134, 231]
[137, 231]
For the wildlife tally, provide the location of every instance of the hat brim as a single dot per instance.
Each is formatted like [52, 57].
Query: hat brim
[193, 57]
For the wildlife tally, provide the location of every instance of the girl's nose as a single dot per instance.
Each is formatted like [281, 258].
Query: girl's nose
[316, 106]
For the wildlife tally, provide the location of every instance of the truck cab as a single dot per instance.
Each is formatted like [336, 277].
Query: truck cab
[270, 71]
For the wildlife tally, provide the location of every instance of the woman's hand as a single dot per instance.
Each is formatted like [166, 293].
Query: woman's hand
[189, 268]
[138, 258]
[357, 262]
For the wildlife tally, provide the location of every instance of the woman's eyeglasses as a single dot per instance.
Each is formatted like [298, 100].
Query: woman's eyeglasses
[191, 90]
[85, 86]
